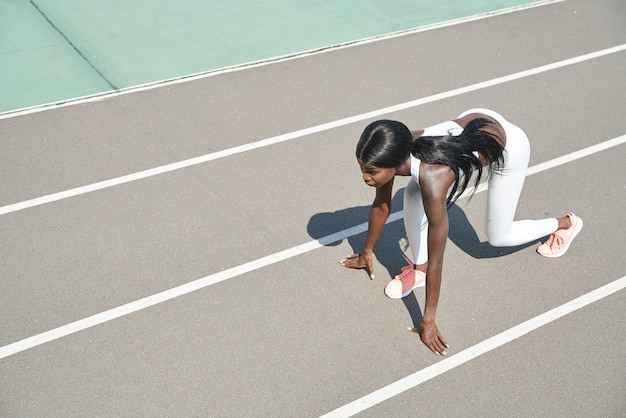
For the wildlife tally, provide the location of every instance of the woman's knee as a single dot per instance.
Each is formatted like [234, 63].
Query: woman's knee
[498, 238]
[497, 241]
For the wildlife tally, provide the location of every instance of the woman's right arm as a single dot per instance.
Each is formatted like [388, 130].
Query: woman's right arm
[379, 212]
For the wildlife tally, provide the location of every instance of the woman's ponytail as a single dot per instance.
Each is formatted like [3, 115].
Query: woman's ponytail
[458, 153]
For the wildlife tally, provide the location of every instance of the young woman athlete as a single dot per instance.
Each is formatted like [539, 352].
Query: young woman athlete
[440, 160]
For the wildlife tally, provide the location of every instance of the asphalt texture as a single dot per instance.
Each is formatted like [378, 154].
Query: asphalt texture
[292, 333]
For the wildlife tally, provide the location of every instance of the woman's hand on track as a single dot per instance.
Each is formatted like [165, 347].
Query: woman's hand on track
[430, 336]
[359, 261]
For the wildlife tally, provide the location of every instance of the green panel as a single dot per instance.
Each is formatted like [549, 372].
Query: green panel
[126, 43]
[36, 64]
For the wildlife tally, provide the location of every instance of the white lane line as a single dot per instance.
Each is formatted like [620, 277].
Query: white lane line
[300, 133]
[567, 158]
[474, 351]
[576, 155]
[272, 60]
[230, 273]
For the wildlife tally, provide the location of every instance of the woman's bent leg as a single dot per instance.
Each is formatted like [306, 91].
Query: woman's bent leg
[503, 195]
[415, 222]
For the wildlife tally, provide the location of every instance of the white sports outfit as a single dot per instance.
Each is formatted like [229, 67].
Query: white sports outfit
[503, 193]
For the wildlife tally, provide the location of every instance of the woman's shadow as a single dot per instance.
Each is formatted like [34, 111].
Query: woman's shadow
[393, 243]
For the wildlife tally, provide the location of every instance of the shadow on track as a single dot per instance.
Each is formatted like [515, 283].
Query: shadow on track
[393, 242]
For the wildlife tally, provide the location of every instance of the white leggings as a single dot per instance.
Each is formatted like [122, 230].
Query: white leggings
[503, 193]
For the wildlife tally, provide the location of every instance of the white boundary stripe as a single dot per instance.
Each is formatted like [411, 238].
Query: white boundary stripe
[576, 155]
[474, 351]
[560, 160]
[300, 133]
[191, 77]
[198, 284]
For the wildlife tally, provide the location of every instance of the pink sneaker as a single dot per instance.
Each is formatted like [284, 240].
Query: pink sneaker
[559, 241]
[403, 284]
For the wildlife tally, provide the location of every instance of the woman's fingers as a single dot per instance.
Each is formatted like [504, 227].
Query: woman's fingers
[430, 336]
[358, 261]
[443, 342]
[352, 261]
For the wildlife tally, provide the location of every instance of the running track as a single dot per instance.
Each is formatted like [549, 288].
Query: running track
[273, 326]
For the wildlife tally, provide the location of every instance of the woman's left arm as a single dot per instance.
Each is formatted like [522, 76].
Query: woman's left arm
[435, 181]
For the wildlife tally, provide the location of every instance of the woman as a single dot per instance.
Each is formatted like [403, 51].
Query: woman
[440, 161]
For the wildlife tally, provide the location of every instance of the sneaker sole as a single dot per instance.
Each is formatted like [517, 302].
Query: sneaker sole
[579, 227]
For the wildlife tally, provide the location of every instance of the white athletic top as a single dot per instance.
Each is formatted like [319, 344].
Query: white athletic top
[444, 128]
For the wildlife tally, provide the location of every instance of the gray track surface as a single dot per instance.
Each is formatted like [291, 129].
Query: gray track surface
[304, 336]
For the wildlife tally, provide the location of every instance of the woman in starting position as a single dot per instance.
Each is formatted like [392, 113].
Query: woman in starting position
[440, 160]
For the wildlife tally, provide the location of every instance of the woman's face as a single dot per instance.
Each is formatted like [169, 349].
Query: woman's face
[376, 176]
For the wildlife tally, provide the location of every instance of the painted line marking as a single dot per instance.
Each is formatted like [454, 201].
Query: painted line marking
[475, 351]
[298, 134]
[259, 263]
[281, 58]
